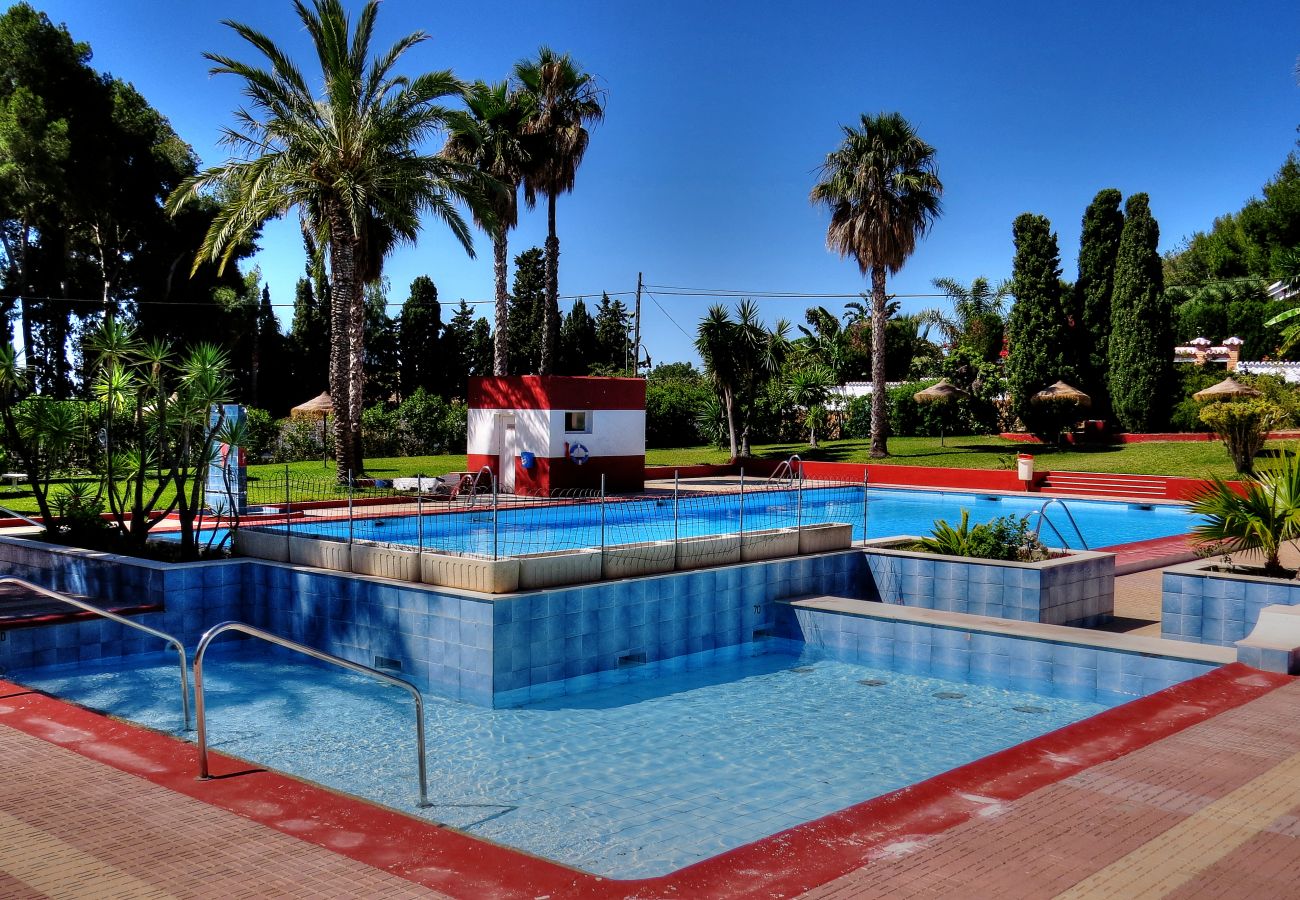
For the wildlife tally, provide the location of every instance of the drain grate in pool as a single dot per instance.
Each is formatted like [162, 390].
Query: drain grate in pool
[872, 682]
[802, 670]
[950, 695]
[1030, 709]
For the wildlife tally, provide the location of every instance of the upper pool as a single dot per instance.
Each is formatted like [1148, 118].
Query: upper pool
[877, 512]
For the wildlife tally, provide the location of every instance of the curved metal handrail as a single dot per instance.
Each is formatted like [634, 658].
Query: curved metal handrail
[121, 620]
[789, 470]
[201, 718]
[473, 485]
[1042, 517]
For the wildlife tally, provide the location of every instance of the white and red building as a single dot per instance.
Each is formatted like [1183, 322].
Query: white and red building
[539, 433]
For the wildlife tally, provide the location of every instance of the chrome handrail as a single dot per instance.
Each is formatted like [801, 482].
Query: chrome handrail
[790, 469]
[121, 620]
[1042, 517]
[18, 515]
[473, 485]
[201, 718]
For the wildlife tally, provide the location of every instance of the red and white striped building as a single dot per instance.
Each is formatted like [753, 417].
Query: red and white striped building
[575, 429]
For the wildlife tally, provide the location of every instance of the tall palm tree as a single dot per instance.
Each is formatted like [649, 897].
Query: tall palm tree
[565, 100]
[883, 193]
[348, 161]
[489, 135]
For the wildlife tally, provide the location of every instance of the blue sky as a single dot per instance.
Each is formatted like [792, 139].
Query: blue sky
[719, 114]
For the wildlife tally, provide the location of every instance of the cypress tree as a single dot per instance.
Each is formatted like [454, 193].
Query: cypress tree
[309, 340]
[613, 335]
[1141, 334]
[419, 336]
[527, 309]
[1038, 330]
[577, 340]
[1098, 248]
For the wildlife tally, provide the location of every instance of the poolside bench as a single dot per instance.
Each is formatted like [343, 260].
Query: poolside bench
[1274, 644]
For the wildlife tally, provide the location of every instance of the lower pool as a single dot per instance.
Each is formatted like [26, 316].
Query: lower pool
[677, 762]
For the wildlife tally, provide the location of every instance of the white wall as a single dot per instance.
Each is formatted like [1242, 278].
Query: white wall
[614, 432]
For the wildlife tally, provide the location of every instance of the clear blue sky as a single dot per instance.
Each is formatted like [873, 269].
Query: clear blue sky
[719, 114]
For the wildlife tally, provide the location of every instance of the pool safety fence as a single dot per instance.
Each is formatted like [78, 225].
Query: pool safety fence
[565, 536]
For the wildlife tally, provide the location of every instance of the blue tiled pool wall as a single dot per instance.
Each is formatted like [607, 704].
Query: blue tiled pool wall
[553, 642]
[514, 647]
[1206, 609]
[1018, 663]
[1074, 592]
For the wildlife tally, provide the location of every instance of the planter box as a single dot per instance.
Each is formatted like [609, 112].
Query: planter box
[710, 550]
[1208, 607]
[1075, 589]
[825, 537]
[770, 543]
[262, 544]
[385, 561]
[543, 570]
[631, 560]
[320, 554]
[488, 576]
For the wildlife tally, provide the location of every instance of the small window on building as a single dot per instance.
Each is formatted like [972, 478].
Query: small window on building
[579, 421]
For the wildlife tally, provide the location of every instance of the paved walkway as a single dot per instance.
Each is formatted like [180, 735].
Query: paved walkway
[1209, 812]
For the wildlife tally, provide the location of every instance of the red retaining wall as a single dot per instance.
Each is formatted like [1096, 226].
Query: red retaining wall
[1147, 438]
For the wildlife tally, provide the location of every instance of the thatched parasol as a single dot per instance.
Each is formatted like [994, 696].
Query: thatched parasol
[943, 392]
[1062, 393]
[315, 408]
[1227, 389]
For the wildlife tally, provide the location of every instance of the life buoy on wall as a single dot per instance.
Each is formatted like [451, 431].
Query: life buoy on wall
[578, 453]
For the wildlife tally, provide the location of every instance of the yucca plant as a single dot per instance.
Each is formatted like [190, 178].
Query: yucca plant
[1259, 514]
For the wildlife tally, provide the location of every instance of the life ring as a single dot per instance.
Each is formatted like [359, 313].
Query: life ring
[579, 454]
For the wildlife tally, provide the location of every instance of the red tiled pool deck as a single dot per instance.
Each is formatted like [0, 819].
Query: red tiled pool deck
[1194, 791]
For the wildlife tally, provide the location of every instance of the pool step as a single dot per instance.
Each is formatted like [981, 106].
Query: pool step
[1151, 487]
[22, 608]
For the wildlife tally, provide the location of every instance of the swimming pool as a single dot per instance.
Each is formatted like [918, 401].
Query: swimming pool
[877, 512]
[673, 765]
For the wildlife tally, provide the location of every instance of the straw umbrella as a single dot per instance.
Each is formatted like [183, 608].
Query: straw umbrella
[943, 392]
[1227, 389]
[1062, 393]
[318, 407]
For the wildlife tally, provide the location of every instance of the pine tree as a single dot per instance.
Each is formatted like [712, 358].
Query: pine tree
[1141, 336]
[1038, 330]
[1098, 247]
[613, 330]
[381, 362]
[270, 361]
[480, 348]
[527, 309]
[457, 352]
[420, 339]
[577, 341]
[309, 343]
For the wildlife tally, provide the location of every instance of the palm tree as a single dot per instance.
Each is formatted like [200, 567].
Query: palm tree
[809, 387]
[1259, 514]
[740, 357]
[565, 100]
[977, 315]
[490, 137]
[883, 194]
[347, 161]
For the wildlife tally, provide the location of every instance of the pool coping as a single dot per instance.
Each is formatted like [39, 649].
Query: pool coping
[784, 864]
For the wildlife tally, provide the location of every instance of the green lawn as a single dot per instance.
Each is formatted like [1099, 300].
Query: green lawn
[1195, 460]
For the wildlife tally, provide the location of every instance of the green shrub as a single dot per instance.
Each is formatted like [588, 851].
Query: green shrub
[302, 439]
[262, 431]
[1243, 426]
[857, 418]
[1004, 538]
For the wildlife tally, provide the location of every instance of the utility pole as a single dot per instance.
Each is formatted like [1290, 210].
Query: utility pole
[636, 330]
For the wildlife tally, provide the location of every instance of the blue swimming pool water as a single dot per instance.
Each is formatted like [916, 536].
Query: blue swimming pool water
[630, 780]
[887, 512]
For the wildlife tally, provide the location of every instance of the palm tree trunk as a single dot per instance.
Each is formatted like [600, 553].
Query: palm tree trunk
[500, 340]
[552, 311]
[343, 275]
[356, 376]
[879, 321]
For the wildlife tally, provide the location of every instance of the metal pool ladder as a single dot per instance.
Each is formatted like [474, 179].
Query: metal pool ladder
[121, 620]
[201, 719]
[789, 470]
[1042, 517]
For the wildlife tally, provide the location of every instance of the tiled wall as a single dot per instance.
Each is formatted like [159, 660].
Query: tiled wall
[1208, 608]
[1076, 591]
[504, 650]
[1067, 670]
[547, 643]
